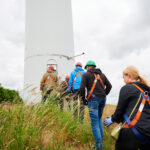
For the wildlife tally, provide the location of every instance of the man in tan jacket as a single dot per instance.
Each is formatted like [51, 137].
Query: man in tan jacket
[49, 82]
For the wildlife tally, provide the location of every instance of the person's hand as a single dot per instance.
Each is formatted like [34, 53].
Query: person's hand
[108, 121]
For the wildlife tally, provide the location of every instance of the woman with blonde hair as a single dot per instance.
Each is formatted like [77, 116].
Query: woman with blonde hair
[133, 109]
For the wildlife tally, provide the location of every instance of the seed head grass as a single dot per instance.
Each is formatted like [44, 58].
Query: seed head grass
[44, 126]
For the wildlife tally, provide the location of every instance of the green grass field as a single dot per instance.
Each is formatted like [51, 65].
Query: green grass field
[46, 127]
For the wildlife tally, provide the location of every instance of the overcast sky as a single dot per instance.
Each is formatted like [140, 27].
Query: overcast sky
[113, 33]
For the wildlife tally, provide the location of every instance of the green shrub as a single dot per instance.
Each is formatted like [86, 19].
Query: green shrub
[7, 95]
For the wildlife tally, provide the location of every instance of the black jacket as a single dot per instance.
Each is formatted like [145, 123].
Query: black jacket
[128, 97]
[87, 82]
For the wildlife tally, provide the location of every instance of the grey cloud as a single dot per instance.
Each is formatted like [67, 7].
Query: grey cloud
[11, 74]
[133, 41]
[144, 13]
[116, 34]
[12, 23]
[14, 82]
[16, 37]
[19, 10]
[134, 35]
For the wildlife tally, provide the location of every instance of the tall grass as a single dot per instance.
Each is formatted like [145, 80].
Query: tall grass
[45, 127]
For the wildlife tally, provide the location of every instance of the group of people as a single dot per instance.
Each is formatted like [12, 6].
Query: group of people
[92, 87]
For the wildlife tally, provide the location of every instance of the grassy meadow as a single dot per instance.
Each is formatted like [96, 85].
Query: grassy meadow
[46, 127]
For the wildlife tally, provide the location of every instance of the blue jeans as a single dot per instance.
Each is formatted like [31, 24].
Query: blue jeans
[95, 111]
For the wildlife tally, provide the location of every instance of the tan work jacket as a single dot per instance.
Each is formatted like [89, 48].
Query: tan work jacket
[49, 81]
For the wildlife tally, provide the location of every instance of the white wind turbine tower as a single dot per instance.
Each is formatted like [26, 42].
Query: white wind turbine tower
[48, 40]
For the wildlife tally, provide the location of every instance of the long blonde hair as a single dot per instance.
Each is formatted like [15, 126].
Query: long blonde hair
[134, 74]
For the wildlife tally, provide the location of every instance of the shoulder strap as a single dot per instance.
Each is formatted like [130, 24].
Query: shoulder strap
[138, 87]
[76, 78]
[80, 74]
[144, 93]
[139, 112]
[66, 83]
[97, 77]
[49, 76]
[46, 80]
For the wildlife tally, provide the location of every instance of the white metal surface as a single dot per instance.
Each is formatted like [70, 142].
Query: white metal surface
[48, 40]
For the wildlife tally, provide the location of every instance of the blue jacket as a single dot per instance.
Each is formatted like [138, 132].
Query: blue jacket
[77, 82]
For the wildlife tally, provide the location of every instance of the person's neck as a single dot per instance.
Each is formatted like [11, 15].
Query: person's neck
[133, 80]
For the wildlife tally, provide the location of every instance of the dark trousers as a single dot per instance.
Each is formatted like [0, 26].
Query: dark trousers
[75, 106]
[65, 97]
[46, 94]
[69, 105]
[128, 141]
[61, 104]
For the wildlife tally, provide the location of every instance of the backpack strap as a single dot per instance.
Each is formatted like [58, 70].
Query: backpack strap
[76, 78]
[46, 80]
[97, 77]
[80, 74]
[49, 76]
[66, 83]
[139, 112]
[145, 94]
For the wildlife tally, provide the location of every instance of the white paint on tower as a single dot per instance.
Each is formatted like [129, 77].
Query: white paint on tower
[48, 40]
